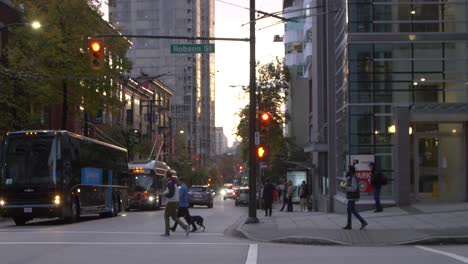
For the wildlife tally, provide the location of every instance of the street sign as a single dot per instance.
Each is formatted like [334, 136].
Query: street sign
[192, 48]
[257, 138]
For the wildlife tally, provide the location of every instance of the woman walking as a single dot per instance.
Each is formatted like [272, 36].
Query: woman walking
[352, 195]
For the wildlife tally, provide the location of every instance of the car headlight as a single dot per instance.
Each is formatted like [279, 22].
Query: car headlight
[2, 202]
[223, 192]
[151, 198]
[57, 199]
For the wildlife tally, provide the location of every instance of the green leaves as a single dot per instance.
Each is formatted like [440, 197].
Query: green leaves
[272, 88]
[40, 61]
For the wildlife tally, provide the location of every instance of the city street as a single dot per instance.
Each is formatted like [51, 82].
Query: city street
[134, 237]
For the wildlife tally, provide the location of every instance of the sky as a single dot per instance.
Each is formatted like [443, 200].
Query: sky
[232, 58]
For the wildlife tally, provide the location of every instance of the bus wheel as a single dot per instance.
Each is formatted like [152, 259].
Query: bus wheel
[19, 221]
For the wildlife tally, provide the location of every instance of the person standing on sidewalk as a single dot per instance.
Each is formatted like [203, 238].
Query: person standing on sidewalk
[289, 194]
[268, 197]
[352, 195]
[171, 206]
[285, 196]
[183, 210]
[376, 181]
[303, 195]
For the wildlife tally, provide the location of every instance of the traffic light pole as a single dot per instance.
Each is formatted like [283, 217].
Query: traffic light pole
[252, 120]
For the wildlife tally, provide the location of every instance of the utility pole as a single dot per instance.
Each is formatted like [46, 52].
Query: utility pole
[252, 118]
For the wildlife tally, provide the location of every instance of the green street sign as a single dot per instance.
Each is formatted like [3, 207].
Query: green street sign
[192, 48]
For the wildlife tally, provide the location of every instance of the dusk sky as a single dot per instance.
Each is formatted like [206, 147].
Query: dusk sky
[232, 58]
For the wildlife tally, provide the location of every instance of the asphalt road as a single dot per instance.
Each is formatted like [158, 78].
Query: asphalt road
[134, 237]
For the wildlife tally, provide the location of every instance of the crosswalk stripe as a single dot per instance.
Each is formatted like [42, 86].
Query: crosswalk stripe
[448, 254]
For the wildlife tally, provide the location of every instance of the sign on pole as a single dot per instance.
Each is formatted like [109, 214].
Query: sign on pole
[192, 48]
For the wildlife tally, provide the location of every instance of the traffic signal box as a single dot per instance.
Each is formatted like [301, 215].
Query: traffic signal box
[96, 52]
[265, 120]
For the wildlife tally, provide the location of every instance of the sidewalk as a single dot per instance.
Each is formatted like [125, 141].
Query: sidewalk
[416, 224]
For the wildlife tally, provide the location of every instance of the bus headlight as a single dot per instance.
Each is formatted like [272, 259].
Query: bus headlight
[57, 199]
[151, 198]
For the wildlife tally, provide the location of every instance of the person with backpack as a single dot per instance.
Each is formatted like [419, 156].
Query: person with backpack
[352, 195]
[377, 181]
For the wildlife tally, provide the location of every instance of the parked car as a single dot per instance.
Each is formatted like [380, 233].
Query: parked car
[201, 195]
[242, 196]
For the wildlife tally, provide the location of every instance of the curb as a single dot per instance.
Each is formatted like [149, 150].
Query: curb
[320, 241]
[328, 242]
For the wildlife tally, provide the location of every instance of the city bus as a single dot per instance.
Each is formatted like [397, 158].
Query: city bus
[56, 173]
[147, 184]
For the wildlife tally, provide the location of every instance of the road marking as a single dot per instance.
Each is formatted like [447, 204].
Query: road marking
[122, 243]
[451, 255]
[32, 231]
[252, 254]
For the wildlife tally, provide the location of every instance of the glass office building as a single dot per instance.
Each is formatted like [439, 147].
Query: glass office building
[401, 95]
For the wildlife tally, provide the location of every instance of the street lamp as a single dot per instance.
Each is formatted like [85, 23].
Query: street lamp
[35, 25]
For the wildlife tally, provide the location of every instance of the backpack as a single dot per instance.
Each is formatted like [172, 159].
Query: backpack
[383, 180]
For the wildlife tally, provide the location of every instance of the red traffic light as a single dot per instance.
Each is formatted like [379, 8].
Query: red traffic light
[265, 117]
[95, 46]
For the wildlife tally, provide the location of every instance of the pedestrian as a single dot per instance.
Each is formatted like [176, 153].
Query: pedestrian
[285, 197]
[183, 210]
[268, 197]
[352, 195]
[279, 190]
[171, 206]
[289, 193]
[303, 195]
[376, 181]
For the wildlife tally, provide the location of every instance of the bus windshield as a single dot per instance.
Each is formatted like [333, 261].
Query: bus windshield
[31, 160]
[141, 182]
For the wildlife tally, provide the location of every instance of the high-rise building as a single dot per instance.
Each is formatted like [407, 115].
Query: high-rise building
[221, 141]
[389, 85]
[190, 75]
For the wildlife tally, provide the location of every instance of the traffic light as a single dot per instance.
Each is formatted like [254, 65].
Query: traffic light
[265, 120]
[97, 54]
[262, 152]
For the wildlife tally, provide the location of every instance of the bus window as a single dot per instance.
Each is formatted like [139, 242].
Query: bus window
[30, 160]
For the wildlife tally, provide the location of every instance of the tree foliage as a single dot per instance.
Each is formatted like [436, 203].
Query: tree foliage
[41, 62]
[272, 88]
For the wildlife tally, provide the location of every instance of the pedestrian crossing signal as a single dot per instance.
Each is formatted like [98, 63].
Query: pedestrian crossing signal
[261, 152]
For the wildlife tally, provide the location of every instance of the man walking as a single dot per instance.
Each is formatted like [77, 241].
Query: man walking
[183, 210]
[171, 206]
[376, 181]
[268, 197]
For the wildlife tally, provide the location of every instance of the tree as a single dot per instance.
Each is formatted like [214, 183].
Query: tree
[272, 87]
[42, 66]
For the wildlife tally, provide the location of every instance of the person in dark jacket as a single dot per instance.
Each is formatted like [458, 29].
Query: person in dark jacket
[268, 197]
[376, 181]
[352, 195]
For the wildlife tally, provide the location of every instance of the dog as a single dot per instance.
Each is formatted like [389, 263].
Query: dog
[198, 220]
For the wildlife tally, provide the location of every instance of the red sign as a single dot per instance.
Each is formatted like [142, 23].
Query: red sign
[364, 181]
